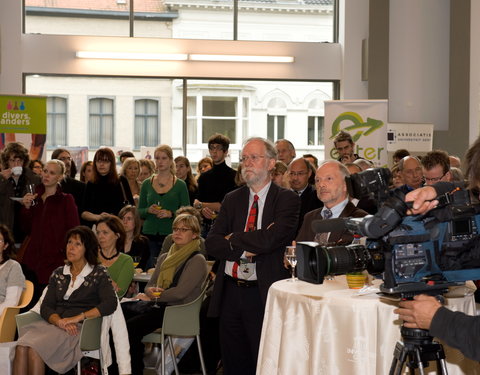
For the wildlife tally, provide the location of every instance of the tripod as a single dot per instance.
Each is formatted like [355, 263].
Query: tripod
[415, 350]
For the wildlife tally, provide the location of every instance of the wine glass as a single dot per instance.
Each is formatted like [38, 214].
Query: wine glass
[156, 293]
[291, 256]
[31, 190]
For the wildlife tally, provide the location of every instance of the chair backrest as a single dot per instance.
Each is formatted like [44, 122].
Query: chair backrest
[184, 320]
[91, 334]
[7, 319]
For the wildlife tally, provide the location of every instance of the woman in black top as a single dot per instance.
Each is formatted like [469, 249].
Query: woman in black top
[108, 193]
[136, 245]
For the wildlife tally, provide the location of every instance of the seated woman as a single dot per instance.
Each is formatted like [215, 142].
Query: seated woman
[136, 245]
[81, 289]
[178, 277]
[12, 280]
[111, 237]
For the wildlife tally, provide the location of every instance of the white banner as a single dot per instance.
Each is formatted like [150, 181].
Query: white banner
[413, 137]
[365, 121]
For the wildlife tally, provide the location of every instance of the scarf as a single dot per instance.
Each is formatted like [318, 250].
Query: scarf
[175, 257]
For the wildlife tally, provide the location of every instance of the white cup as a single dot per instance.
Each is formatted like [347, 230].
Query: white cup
[17, 171]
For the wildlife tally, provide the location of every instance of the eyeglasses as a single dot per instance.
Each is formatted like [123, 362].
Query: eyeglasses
[215, 148]
[181, 230]
[295, 174]
[434, 179]
[253, 158]
[65, 158]
[15, 160]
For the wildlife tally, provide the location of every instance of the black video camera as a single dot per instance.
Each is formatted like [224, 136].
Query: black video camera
[412, 254]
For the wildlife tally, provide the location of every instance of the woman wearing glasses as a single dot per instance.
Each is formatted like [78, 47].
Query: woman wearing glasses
[108, 193]
[178, 278]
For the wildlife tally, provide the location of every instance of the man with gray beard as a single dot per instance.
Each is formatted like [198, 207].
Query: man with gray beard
[254, 225]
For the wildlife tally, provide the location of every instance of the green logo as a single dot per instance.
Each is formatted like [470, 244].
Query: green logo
[357, 124]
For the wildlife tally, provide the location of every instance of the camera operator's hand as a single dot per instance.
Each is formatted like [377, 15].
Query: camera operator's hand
[419, 312]
[422, 200]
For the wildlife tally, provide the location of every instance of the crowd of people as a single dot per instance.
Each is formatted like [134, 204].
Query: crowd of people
[79, 240]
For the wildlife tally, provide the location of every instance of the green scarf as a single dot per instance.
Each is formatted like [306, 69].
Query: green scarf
[175, 257]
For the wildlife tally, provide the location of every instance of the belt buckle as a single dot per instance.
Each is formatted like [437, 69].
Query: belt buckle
[242, 283]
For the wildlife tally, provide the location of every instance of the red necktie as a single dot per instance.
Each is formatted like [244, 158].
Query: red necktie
[250, 227]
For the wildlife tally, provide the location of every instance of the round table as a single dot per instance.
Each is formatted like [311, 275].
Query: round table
[330, 329]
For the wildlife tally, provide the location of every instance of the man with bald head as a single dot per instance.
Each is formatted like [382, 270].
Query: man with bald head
[285, 151]
[412, 174]
[332, 191]
[299, 173]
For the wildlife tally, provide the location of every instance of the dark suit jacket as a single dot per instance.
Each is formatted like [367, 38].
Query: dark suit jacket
[279, 223]
[309, 202]
[341, 237]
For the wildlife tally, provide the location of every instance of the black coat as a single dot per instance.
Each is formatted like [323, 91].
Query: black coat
[279, 224]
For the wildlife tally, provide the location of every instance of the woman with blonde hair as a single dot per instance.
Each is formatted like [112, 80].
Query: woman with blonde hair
[147, 168]
[204, 165]
[160, 196]
[46, 216]
[178, 279]
[131, 170]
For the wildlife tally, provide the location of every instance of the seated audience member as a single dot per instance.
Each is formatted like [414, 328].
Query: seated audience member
[278, 174]
[353, 168]
[345, 147]
[399, 155]
[312, 159]
[136, 245]
[131, 170]
[455, 161]
[205, 164]
[47, 216]
[364, 164]
[86, 172]
[411, 172]
[188, 210]
[12, 280]
[179, 276]
[108, 193]
[147, 168]
[397, 179]
[14, 178]
[299, 172]
[436, 167]
[111, 238]
[332, 191]
[79, 290]
[36, 166]
[285, 151]
[184, 172]
[456, 175]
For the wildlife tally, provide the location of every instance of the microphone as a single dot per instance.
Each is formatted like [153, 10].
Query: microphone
[330, 225]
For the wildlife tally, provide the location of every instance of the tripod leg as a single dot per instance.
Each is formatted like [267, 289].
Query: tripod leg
[442, 366]
[419, 361]
[399, 357]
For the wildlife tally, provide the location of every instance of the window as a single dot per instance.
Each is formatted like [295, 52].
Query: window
[100, 123]
[315, 130]
[275, 127]
[56, 122]
[214, 114]
[146, 123]
[263, 20]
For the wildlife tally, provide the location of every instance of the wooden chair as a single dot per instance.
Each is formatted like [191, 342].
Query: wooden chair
[7, 320]
[179, 320]
[90, 335]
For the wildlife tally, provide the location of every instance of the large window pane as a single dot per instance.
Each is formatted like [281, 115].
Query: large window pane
[302, 21]
[77, 17]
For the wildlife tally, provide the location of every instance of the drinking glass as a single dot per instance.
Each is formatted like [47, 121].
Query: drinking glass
[156, 293]
[31, 190]
[291, 256]
[136, 261]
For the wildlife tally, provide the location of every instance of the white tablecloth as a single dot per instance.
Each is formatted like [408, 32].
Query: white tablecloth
[328, 329]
